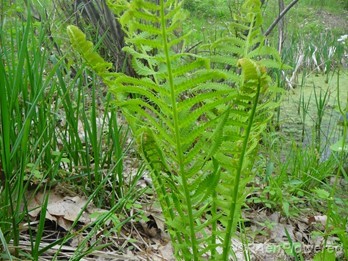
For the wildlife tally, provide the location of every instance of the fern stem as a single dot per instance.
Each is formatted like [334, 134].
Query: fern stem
[249, 37]
[193, 241]
[214, 225]
[233, 207]
[166, 204]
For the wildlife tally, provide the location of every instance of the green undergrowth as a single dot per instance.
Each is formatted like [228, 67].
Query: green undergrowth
[57, 129]
[303, 167]
[312, 30]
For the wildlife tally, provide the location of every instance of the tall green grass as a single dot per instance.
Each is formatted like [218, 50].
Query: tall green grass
[25, 121]
[56, 128]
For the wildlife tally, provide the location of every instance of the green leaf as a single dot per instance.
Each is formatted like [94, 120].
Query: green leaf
[325, 255]
[321, 193]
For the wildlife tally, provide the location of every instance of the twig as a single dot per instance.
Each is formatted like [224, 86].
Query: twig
[192, 47]
[281, 15]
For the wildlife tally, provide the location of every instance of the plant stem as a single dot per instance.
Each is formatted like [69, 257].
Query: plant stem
[193, 240]
[233, 207]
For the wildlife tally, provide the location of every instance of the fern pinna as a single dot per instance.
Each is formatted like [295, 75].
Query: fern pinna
[197, 125]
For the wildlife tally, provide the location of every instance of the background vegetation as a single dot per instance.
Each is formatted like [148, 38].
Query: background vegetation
[60, 131]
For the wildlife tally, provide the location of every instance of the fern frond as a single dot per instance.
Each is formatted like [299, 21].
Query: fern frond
[197, 124]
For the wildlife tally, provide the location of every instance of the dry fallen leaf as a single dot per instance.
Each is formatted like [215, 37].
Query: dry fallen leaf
[150, 227]
[318, 219]
[69, 208]
[62, 210]
[166, 252]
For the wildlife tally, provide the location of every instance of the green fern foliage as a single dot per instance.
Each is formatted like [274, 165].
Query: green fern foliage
[197, 125]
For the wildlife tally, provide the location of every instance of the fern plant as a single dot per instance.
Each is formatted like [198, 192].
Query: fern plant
[197, 124]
